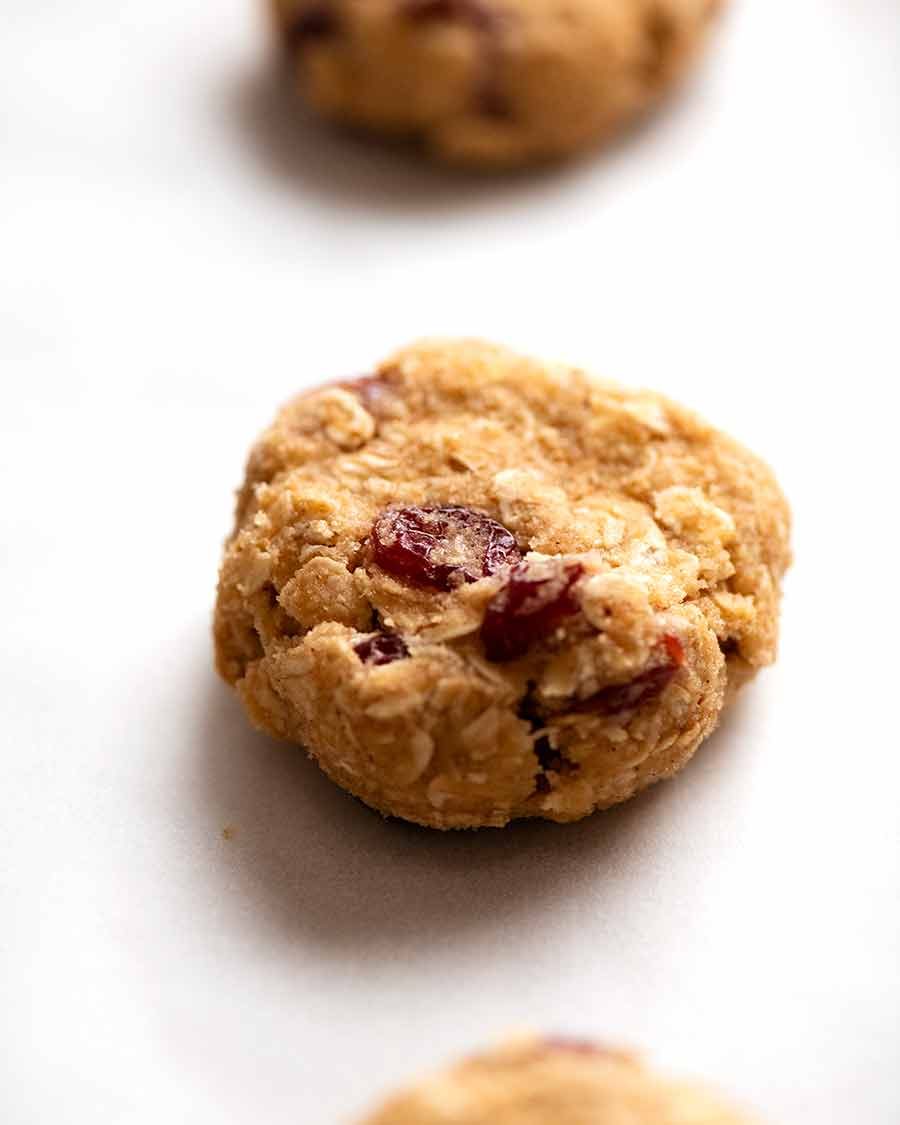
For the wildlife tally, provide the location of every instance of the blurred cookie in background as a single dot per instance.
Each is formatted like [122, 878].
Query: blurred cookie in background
[493, 83]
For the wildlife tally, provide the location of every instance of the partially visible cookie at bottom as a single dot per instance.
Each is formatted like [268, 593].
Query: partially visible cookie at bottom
[491, 83]
[535, 1081]
[477, 587]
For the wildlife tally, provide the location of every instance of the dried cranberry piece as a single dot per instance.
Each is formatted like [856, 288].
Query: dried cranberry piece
[492, 102]
[528, 710]
[546, 755]
[535, 599]
[550, 758]
[616, 698]
[316, 22]
[674, 650]
[542, 783]
[661, 33]
[472, 12]
[371, 390]
[441, 547]
[575, 1046]
[381, 648]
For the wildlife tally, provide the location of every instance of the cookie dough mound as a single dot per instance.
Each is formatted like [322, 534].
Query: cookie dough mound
[477, 587]
[553, 1082]
[491, 82]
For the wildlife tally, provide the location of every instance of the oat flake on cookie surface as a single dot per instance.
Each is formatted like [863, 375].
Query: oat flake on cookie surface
[477, 587]
[532, 1081]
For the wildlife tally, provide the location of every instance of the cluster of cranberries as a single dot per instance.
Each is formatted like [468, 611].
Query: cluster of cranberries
[442, 548]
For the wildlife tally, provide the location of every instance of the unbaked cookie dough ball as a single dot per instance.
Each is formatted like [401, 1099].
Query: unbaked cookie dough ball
[491, 82]
[553, 1082]
[477, 587]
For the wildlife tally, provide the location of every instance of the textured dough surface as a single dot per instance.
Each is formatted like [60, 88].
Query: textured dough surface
[677, 534]
[553, 1082]
[491, 82]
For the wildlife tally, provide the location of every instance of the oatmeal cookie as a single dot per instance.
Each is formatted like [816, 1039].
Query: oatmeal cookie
[491, 82]
[478, 587]
[553, 1082]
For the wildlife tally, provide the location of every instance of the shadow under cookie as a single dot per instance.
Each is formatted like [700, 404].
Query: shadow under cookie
[304, 862]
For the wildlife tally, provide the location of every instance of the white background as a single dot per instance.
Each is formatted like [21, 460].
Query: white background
[180, 252]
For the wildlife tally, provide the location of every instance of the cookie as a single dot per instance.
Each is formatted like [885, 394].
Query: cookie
[553, 1082]
[491, 82]
[478, 587]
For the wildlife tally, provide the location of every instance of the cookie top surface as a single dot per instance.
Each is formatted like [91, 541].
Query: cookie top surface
[491, 81]
[447, 573]
[553, 1082]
